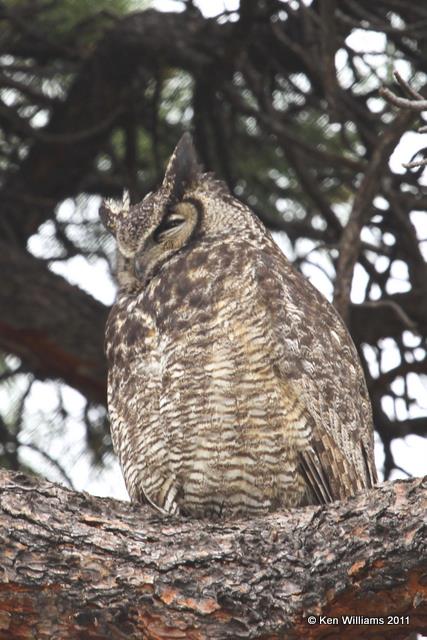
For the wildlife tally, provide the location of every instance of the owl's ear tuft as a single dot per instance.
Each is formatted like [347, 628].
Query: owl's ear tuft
[107, 216]
[183, 168]
[111, 209]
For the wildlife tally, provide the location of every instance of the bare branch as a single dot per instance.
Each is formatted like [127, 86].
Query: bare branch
[368, 188]
[415, 164]
[64, 339]
[107, 569]
[416, 102]
[410, 91]
[403, 103]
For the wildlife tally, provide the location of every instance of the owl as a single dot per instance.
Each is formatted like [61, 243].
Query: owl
[234, 388]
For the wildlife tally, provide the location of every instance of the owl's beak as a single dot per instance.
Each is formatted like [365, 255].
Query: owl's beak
[143, 258]
[139, 266]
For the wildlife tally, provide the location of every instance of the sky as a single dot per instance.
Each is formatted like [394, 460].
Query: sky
[410, 453]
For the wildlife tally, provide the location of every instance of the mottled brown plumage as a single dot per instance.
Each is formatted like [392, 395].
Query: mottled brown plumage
[234, 387]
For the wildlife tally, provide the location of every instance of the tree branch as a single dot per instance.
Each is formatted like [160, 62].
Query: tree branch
[73, 565]
[369, 186]
[373, 320]
[415, 102]
[64, 339]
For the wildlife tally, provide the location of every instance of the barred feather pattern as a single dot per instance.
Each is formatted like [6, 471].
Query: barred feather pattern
[234, 387]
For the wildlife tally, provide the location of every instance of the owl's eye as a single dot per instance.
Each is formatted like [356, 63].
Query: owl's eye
[168, 224]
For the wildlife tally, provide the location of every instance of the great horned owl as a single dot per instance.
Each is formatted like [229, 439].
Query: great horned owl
[234, 386]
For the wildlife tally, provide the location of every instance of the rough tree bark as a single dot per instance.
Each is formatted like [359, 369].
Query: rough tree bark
[76, 566]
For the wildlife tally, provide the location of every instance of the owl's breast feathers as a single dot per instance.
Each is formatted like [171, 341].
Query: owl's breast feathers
[234, 386]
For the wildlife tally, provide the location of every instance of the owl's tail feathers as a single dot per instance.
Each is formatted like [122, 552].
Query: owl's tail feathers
[371, 472]
[330, 474]
[144, 498]
[315, 477]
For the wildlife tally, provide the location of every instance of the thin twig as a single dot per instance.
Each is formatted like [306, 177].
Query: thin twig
[415, 164]
[403, 103]
[48, 458]
[416, 102]
[397, 309]
[410, 91]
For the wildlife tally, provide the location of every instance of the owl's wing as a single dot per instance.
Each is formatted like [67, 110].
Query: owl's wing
[316, 355]
[327, 471]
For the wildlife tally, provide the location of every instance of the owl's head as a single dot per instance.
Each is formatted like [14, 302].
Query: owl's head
[189, 206]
